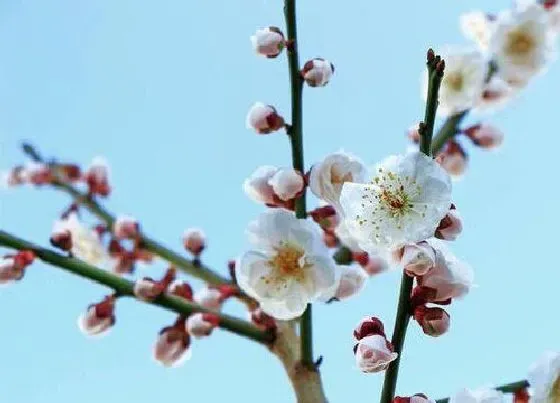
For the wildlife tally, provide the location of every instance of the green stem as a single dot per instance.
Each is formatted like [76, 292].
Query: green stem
[507, 388]
[449, 129]
[403, 308]
[296, 141]
[125, 287]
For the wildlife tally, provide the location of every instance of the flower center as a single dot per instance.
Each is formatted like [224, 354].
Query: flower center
[455, 80]
[554, 396]
[519, 43]
[289, 261]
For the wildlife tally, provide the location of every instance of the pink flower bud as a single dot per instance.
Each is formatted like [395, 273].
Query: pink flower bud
[326, 217]
[37, 173]
[257, 186]
[317, 72]
[413, 134]
[372, 264]
[374, 353]
[417, 259]
[97, 177]
[453, 159]
[61, 238]
[352, 281]
[200, 325]
[181, 289]
[264, 119]
[368, 326]
[172, 345]
[434, 320]
[194, 241]
[450, 226]
[485, 136]
[148, 289]
[126, 228]
[287, 183]
[98, 318]
[210, 298]
[268, 42]
[12, 267]
[417, 398]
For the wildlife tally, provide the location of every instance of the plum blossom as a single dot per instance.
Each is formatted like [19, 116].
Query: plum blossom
[477, 26]
[417, 398]
[98, 318]
[317, 72]
[264, 119]
[268, 42]
[200, 325]
[257, 185]
[172, 345]
[86, 244]
[462, 84]
[417, 259]
[374, 353]
[544, 378]
[482, 395]
[287, 183]
[433, 320]
[521, 44]
[12, 268]
[450, 226]
[97, 177]
[350, 281]
[194, 241]
[126, 227]
[289, 268]
[485, 136]
[328, 176]
[404, 203]
[454, 159]
[495, 94]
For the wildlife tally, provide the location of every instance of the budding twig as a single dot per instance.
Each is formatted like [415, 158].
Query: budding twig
[123, 287]
[506, 388]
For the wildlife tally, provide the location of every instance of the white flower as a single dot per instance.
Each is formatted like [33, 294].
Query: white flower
[263, 119]
[450, 277]
[461, 87]
[544, 378]
[346, 238]
[404, 203]
[317, 72]
[477, 26]
[268, 42]
[86, 244]
[290, 266]
[328, 176]
[521, 44]
[482, 395]
[257, 185]
[373, 354]
[287, 183]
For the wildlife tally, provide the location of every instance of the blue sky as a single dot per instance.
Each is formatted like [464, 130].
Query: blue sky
[161, 89]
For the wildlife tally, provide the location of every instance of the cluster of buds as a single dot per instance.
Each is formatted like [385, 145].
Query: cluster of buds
[12, 267]
[96, 177]
[372, 350]
[275, 187]
[123, 260]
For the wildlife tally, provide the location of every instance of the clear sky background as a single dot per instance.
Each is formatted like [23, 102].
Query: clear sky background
[161, 90]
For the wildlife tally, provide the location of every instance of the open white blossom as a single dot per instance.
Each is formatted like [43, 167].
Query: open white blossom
[86, 244]
[482, 395]
[328, 176]
[477, 26]
[463, 81]
[289, 267]
[404, 203]
[544, 378]
[521, 43]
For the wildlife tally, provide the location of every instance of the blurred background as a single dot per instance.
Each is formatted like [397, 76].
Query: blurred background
[161, 90]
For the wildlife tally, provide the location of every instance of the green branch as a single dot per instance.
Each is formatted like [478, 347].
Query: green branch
[125, 287]
[507, 388]
[447, 131]
[435, 71]
[296, 141]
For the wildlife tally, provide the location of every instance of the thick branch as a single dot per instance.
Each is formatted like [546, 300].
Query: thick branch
[125, 287]
[507, 388]
[403, 309]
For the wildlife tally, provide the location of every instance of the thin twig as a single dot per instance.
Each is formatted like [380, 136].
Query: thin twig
[507, 388]
[125, 287]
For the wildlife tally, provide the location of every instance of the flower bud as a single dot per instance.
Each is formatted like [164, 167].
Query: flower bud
[264, 119]
[148, 289]
[97, 177]
[450, 226]
[98, 318]
[181, 289]
[368, 326]
[194, 241]
[213, 297]
[126, 227]
[326, 217]
[12, 267]
[200, 325]
[372, 264]
[433, 320]
[37, 173]
[453, 159]
[352, 281]
[374, 353]
[287, 183]
[62, 239]
[417, 398]
[521, 396]
[172, 345]
[257, 186]
[417, 259]
[317, 72]
[413, 133]
[485, 136]
[268, 42]
[261, 319]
